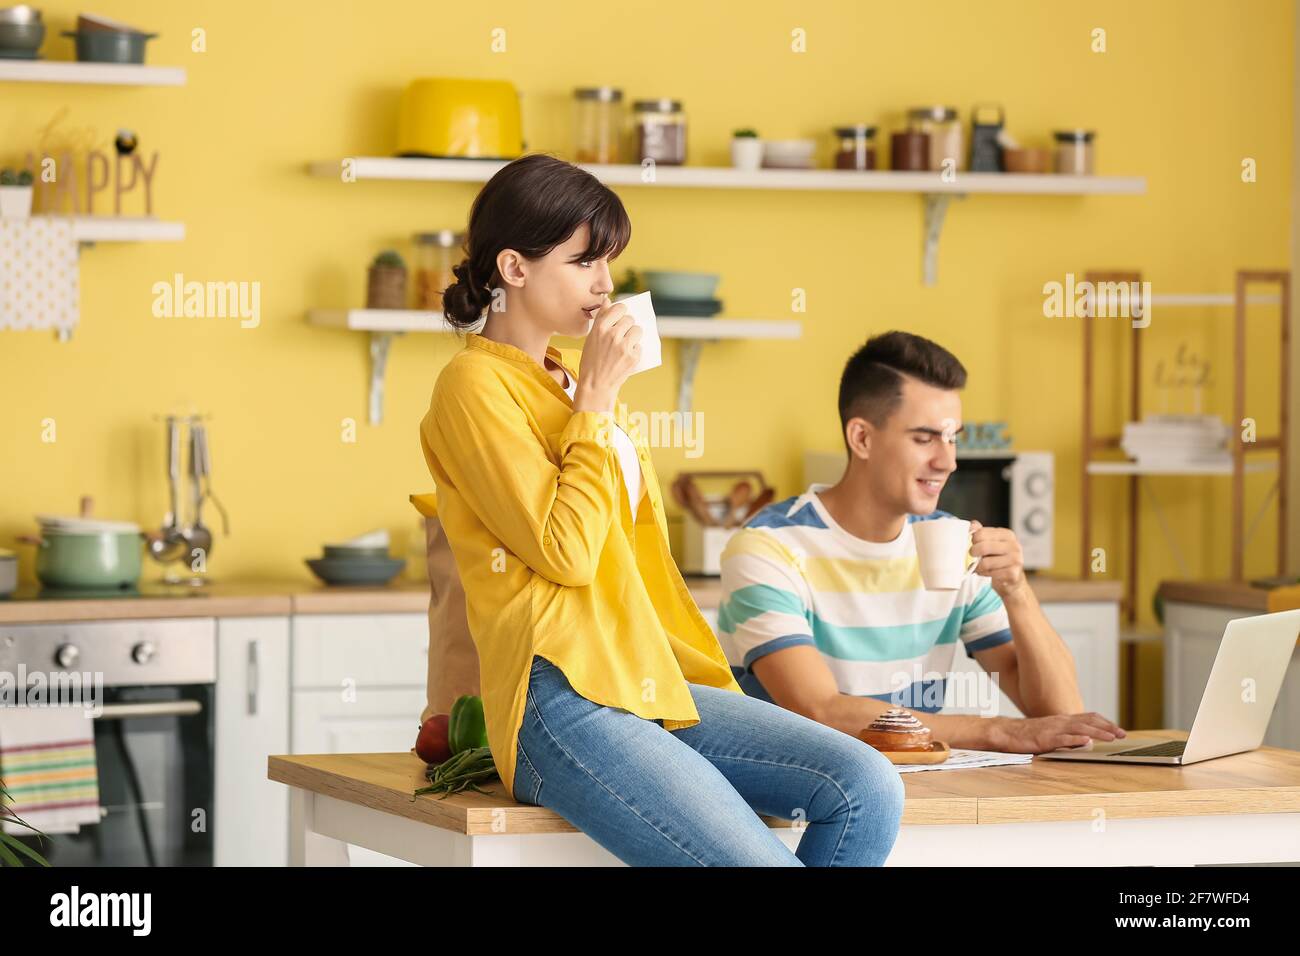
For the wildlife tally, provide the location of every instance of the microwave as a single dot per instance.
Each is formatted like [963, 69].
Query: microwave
[1001, 489]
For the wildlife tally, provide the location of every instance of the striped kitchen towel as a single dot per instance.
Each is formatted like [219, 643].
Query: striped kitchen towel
[47, 763]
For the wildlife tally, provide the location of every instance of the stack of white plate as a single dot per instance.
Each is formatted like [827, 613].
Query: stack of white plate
[1172, 441]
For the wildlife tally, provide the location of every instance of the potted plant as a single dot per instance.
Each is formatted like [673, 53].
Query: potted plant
[11, 846]
[746, 149]
[15, 194]
[630, 284]
[386, 282]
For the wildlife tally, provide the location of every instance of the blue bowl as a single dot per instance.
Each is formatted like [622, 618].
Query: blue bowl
[357, 570]
[681, 285]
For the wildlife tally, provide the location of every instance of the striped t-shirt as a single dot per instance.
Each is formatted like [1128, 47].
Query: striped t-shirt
[792, 575]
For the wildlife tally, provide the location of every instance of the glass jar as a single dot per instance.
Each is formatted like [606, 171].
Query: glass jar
[1074, 151]
[857, 147]
[435, 254]
[660, 129]
[943, 127]
[597, 124]
[909, 151]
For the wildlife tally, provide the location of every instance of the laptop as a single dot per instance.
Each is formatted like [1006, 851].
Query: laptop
[1235, 708]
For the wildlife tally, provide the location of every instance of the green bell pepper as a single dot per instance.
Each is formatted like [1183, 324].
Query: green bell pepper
[467, 728]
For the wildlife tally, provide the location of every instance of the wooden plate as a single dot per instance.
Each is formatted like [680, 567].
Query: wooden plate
[938, 753]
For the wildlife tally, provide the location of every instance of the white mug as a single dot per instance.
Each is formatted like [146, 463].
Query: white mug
[643, 314]
[942, 549]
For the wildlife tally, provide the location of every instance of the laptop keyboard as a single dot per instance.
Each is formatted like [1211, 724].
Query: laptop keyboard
[1173, 748]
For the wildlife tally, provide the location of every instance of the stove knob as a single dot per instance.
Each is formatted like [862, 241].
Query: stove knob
[66, 655]
[143, 652]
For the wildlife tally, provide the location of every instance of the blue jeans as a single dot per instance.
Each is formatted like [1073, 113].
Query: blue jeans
[689, 797]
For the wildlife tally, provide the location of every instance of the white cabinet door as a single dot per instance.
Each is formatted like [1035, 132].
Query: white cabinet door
[371, 720]
[359, 686]
[331, 651]
[1090, 629]
[252, 812]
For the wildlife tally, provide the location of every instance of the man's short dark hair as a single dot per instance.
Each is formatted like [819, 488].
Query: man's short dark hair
[872, 384]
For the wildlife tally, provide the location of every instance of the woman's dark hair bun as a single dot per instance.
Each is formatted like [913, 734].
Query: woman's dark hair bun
[464, 300]
[531, 205]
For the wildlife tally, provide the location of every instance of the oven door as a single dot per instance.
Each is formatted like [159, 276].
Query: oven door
[154, 749]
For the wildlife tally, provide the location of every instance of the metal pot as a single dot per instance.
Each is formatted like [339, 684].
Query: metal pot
[109, 46]
[21, 40]
[104, 559]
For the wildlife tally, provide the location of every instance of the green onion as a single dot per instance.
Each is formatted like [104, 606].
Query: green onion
[460, 772]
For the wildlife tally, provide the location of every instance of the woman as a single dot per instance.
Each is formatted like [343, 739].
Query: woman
[608, 698]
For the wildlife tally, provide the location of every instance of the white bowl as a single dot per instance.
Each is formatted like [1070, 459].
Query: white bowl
[789, 153]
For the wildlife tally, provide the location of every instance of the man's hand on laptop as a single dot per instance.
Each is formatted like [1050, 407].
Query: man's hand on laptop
[1036, 735]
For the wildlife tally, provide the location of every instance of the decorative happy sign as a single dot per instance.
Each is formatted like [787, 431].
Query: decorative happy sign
[72, 177]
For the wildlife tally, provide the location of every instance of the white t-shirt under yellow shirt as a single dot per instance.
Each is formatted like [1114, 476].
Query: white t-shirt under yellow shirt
[627, 457]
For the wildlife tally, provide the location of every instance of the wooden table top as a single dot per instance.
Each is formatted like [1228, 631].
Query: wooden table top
[1261, 781]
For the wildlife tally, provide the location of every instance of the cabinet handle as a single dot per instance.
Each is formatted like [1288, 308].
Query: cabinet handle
[252, 678]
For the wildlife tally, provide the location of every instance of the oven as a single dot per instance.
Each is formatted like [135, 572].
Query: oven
[154, 739]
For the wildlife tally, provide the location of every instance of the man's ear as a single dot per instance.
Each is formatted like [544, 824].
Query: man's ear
[857, 432]
[511, 266]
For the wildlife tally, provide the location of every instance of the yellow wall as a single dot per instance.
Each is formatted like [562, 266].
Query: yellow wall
[1183, 93]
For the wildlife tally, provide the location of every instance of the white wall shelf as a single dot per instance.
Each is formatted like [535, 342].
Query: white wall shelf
[100, 74]
[1136, 468]
[126, 229]
[724, 177]
[935, 190]
[1177, 299]
[690, 334]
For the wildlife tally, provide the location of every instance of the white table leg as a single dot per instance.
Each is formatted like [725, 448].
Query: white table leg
[306, 846]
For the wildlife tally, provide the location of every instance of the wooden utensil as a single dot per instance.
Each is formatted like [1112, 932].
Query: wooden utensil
[741, 493]
[758, 504]
[697, 503]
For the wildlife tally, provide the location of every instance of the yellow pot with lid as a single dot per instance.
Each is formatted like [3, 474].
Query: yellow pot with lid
[445, 118]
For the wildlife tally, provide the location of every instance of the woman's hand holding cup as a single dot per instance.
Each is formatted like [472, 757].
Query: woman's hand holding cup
[609, 355]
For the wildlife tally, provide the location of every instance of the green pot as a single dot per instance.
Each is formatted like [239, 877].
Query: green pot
[105, 559]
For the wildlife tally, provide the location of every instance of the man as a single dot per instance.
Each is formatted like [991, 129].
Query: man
[822, 594]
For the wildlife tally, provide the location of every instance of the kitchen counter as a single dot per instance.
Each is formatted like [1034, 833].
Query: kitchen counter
[267, 598]
[1232, 594]
[233, 598]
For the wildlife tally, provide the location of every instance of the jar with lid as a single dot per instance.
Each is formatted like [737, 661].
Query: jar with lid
[943, 127]
[435, 254]
[660, 129]
[597, 124]
[857, 147]
[1074, 151]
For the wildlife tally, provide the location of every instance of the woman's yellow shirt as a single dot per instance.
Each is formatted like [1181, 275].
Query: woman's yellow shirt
[552, 559]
